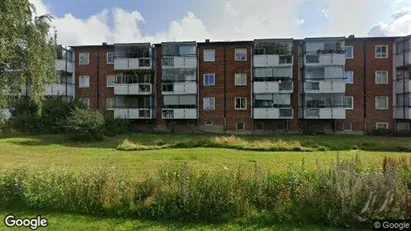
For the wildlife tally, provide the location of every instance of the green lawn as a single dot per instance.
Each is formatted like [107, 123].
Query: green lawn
[54, 151]
[83, 222]
[49, 151]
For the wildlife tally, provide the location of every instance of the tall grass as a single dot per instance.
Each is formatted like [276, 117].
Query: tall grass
[231, 142]
[342, 194]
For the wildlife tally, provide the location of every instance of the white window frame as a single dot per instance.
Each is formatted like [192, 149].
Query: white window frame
[204, 103]
[85, 99]
[352, 77]
[79, 81]
[388, 102]
[240, 98]
[237, 50]
[352, 49]
[352, 102]
[347, 130]
[236, 126]
[204, 79]
[88, 58]
[237, 76]
[379, 123]
[108, 80]
[382, 57]
[107, 104]
[382, 71]
[208, 124]
[107, 55]
[204, 54]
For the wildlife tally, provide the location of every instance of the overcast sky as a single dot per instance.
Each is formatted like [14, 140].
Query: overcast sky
[95, 21]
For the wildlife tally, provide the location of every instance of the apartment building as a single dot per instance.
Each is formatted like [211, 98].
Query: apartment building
[264, 86]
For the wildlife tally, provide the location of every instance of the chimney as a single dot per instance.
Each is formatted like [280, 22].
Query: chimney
[351, 36]
[207, 40]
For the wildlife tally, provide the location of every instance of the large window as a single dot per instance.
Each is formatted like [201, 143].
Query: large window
[349, 77]
[240, 103]
[209, 103]
[179, 101]
[240, 79]
[381, 51]
[209, 79]
[272, 101]
[349, 52]
[111, 80]
[381, 77]
[349, 102]
[381, 102]
[240, 54]
[84, 58]
[110, 57]
[209, 55]
[84, 81]
[187, 50]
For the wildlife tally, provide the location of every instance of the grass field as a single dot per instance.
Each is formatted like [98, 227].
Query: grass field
[54, 151]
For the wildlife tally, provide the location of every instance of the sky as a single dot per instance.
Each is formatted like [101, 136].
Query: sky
[87, 22]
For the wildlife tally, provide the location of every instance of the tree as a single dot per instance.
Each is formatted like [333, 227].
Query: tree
[27, 52]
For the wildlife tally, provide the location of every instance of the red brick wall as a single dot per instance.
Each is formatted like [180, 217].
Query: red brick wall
[91, 70]
[372, 90]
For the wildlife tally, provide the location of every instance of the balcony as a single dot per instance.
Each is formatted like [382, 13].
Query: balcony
[399, 86]
[403, 112]
[133, 89]
[132, 63]
[273, 87]
[179, 62]
[320, 59]
[59, 89]
[273, 113]
[324, 113]
[179, 113]
[61, 65]
[179, 88]
[273, 61]
[324, 86]
[133, 113]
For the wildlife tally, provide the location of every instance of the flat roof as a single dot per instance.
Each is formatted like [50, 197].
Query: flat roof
[131, 44]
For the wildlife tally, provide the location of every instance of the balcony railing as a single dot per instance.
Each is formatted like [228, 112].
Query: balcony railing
[179, 113]
[335, 112]
[325, 85]
[121, 63]
[272, 113]
[132, 89]
[273, 87]
[132, 113]
[179, 88]
[316, 59]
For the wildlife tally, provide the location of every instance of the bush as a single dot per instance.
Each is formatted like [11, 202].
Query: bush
[343, 195]
[85, 125]
[113, 127]
[403, 133]
[382, 132]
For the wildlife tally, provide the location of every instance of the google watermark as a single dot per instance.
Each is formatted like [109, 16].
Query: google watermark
[392, 225]
[32, 223]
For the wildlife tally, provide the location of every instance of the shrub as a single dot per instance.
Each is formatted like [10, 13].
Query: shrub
[113, 127]
[85, 125]
[382, 132]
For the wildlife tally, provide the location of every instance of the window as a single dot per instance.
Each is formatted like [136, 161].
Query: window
[381, 51]
[85, 102]
[259, 126]
[381, 102]
[403, 126]
[168, 62]
[349, 77]
[84, 81]
[239, 126]
[187, 50]
[240, 54]
[209, 103]
[347, 126]
[209, 55]
[84, 58]
[240, 103]
[349, 102]
[111, 103]
[381, 77]
[381, 125]
[209, 79]
[111, 80]
[208, 123]
[349, 52]
[240, 79]
[110, 57]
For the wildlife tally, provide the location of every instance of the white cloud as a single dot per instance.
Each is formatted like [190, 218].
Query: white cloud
[300, 21]
[400, 25]
[41, 8]
[325, 12]
[229, 10]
